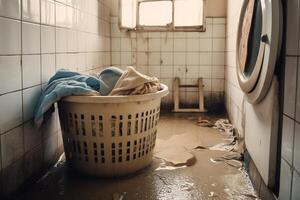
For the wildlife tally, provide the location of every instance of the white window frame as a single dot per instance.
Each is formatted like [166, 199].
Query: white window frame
[169, 27]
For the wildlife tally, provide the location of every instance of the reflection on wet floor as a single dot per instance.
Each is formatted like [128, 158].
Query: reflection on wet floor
[202, 180]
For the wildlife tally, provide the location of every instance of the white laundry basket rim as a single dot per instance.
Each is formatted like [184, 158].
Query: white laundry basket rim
[119, 98]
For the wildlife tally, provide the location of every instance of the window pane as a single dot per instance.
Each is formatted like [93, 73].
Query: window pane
[128, 18]
[155, 13]
[188, 13]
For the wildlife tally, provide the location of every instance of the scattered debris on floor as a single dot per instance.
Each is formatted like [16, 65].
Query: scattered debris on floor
[212, 194]
[168, 166]
[118, 196]
[223, 125]
[231, 159]
[204, 123]
[177, 149]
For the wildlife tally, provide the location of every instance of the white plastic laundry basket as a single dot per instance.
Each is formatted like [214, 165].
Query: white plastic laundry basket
[110, 135]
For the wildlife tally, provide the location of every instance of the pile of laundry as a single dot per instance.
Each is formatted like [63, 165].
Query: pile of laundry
[112, 81]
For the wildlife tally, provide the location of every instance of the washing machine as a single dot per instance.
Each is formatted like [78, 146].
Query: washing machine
[258, 49]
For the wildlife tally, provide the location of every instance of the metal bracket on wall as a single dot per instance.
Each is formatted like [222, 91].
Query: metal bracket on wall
[177, 87]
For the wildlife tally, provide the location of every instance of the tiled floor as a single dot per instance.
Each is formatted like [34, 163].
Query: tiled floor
[203, 180]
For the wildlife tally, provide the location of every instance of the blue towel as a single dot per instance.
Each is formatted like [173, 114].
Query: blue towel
[108, 78]
[66, 83]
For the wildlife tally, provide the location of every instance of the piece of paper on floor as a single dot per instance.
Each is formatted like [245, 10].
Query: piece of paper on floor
[171, 151]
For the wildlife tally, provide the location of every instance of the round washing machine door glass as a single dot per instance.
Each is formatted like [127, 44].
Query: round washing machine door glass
[257, 48]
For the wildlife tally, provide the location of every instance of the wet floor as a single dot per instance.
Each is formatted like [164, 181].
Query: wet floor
[205, 179]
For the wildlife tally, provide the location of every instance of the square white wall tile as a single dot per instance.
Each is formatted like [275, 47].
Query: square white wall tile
[32, 136]
[47, 39]
[219, 20]
[10, 8]
[142, 58]
[154, 44]
[10, 111]
[218, 72]
[12, 146]
[61, 15]
[205, 59]
[116, 58]
[142, 44]
[296, 186]
[290, 86]
[297, 147]
[31, 10]
[61, 40]
[154, 71]
[126, 58]
[205, 44]
[179, 34]
[166, 58]
[285, 180]
[30, 99]
[48, 66]
[192, 34]
[218, 44]
[31, 67]
[205, 72]
[192, 45]
[292, 27]
[10, 36]
[48, 12]
[179, 71]
[192, 72]
[72, 45]
[116, 44]
[10, 73]
[30, 38]
[179, 45]
[192, 58]
[287, 139]
[154, 58]
[167, 44]
[125, 44]
[219, 30]
[179, 58]
[218, 58]
[166, 72]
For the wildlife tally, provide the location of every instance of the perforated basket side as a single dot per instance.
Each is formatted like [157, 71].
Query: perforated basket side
[109, 139]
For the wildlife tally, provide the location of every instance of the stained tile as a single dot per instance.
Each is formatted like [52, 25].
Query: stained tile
[290, 86]
[285, 181]
[12, 146]
[287, 139]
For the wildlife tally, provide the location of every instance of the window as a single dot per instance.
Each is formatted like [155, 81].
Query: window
[168, 15]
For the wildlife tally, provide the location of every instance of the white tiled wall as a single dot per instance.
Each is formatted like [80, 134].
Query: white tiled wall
[166, 55]
[37, 37]
[290, 152]
[233, 93]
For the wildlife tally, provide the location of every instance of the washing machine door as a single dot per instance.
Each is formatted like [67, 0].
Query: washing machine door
[258, 46]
